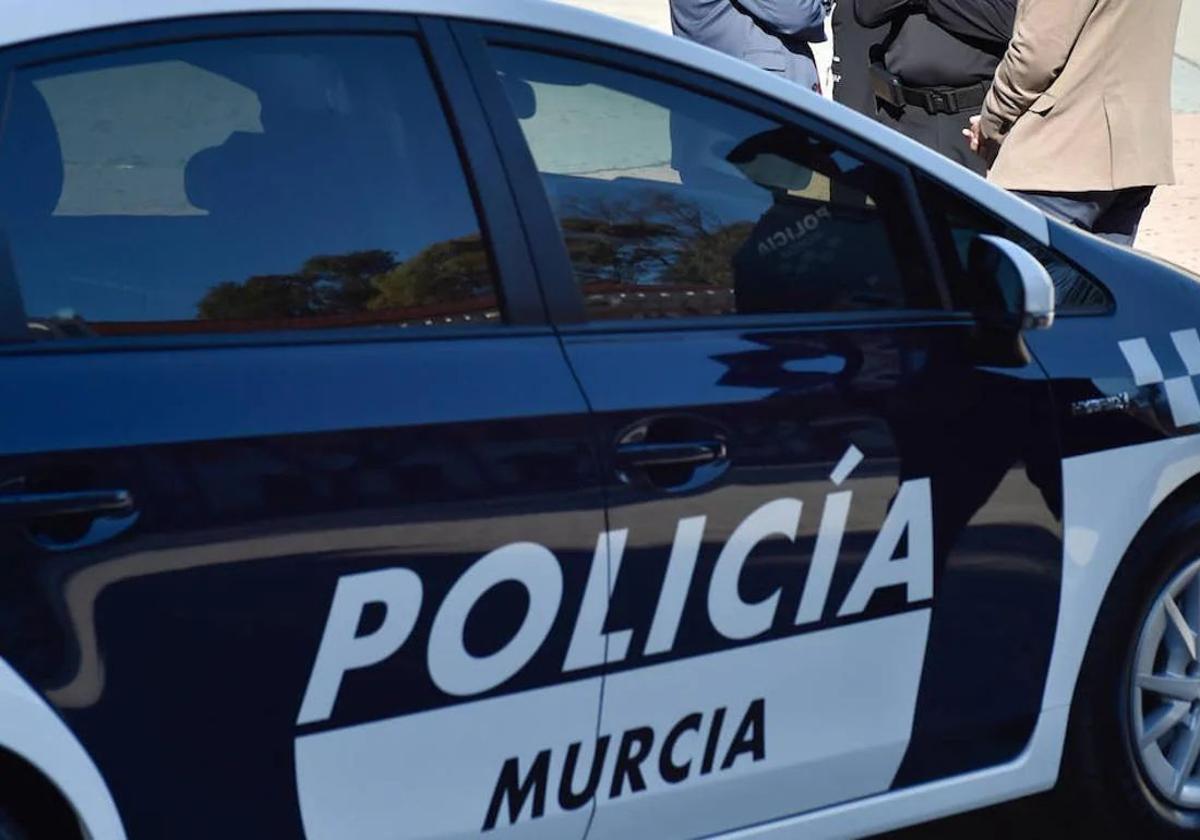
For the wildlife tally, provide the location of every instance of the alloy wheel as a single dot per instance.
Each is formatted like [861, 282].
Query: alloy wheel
[1165, 691]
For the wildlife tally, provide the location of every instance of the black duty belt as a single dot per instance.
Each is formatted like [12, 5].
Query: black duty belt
[939, 100]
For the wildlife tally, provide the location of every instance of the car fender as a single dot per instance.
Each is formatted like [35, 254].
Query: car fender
[1108, 497]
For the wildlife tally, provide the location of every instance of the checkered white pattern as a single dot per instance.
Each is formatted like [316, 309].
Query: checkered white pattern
[1180, 390]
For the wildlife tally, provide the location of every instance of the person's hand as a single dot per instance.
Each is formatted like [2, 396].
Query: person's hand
[974, 136]
[985, 147]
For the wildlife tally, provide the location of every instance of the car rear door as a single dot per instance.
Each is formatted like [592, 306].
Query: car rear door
[298, 493]
[833, 516]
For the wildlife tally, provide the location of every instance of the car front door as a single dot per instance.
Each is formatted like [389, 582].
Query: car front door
[833, 516]
[298, 492]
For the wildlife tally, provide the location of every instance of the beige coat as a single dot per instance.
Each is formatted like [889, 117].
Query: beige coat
[1082, 98]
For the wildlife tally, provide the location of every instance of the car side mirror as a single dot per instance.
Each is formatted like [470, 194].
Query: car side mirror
[1013, 293]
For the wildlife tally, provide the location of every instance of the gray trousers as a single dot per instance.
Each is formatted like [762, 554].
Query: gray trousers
[1112, 214]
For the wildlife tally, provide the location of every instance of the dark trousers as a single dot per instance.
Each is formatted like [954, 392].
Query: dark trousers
[940, 132]
[1112, 214]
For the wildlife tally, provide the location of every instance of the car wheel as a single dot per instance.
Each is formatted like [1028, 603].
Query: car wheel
[1133, 748]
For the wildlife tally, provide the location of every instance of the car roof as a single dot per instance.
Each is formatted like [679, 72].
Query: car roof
[28, 21]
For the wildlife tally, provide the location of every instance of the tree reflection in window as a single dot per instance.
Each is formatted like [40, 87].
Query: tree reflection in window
[636, 249]
[448, 282]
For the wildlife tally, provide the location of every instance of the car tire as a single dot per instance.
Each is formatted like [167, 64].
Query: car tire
[1113, 777]
[10, 829]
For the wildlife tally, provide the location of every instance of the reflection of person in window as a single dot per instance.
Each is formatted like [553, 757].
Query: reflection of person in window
[806, 254]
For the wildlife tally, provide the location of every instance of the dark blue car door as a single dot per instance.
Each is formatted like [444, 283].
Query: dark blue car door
[833, 516]
[299, 496]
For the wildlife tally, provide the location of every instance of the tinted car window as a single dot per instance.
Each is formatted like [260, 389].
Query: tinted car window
[957, 221]
[673, 203]
[244, 184]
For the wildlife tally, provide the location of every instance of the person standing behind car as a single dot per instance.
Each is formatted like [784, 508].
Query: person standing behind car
[852, 45]
[934, 67]
[1078, 120]
[771, 34]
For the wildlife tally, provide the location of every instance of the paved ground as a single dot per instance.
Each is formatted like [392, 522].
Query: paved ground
[1171, 228]
[1187, 59]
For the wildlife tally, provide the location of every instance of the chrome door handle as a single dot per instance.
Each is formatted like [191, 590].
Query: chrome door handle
[21, 507]
[669, 454]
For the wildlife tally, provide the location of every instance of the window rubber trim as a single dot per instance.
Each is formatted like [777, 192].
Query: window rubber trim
[547, 248]
[486, 176]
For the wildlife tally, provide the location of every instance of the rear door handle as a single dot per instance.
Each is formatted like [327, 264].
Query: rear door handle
[669, 454]
[22, 507]
[673, 453]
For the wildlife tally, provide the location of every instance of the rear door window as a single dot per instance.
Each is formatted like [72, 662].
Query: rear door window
[244, 184]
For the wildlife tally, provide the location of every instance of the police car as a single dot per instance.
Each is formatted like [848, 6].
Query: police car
[423, 418]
